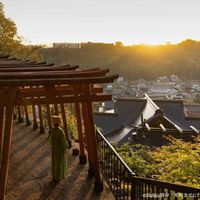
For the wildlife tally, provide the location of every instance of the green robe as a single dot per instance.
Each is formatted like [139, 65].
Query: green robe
[59, 144]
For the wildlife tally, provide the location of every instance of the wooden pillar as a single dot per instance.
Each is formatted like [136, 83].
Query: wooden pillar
[20, 118]
[92, 137]
[49, 117]
[50, 89]
[56, 109]
[35, 124]
[70, 107]
[2, 121]
[15, 114]
[41, 119]
[7, 142]
[82, 156]
[88, 145]
[65, 125]
[28, 123]
[22, 112]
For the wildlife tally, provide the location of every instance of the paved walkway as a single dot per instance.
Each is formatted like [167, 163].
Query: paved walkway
[30, 172]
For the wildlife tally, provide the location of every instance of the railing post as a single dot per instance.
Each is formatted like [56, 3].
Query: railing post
[139, 188]
[133, 187]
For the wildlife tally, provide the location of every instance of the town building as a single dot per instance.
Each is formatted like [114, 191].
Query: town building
[67, 45]
[146, 121]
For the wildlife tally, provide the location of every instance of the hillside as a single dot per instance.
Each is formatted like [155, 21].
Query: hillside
[133, 62]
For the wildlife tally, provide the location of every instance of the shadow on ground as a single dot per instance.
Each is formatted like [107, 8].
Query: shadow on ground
[30, 172]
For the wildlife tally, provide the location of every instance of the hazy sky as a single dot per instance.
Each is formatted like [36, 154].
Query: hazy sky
[129, 21]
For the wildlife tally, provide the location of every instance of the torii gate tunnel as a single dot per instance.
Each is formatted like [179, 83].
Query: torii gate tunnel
[25, 83]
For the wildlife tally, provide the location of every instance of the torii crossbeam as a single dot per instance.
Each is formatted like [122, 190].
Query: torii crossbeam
[24, 83]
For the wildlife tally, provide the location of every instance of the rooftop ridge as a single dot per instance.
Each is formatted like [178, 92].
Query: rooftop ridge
[106, 114]
[175, 125]
[192, 117]
[191, 104]
[129, 99]
[168, 100]
[153, 104]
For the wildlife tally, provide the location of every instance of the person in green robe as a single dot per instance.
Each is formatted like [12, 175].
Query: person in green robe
[59, 145]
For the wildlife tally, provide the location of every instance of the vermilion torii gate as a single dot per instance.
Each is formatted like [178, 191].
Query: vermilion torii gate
[24, 83]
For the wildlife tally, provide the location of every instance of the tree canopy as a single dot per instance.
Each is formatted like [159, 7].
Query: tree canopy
[136, 61]
[11, 43]
[179, 162]
[8, 33]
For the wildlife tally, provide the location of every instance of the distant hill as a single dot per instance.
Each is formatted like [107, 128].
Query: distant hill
[133, 62]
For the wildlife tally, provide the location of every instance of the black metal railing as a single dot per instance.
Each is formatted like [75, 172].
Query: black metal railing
[125, 185]
[115, 171]
[153, 189]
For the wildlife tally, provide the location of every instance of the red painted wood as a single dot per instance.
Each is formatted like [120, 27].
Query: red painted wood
[2, 121]
[7, 142]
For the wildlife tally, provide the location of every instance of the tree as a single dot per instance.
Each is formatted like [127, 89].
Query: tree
[8, 33]
[11, 43]
[119, 44]
[178, 162]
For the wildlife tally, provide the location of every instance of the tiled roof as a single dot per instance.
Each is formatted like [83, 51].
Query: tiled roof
[119, 127]
[127, 112]
[174, 110]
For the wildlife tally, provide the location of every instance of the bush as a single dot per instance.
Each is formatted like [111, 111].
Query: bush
[178, 162]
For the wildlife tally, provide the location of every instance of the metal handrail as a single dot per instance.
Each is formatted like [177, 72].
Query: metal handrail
[171, 186]
[115, 152]
[125, 185]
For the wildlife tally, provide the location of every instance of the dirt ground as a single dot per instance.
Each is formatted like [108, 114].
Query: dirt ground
[30, 172]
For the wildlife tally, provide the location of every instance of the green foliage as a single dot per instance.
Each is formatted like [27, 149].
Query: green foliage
[72, 126]
[178, 162]
[12, 44]
[8, 33]
[28, 52]
[133, 62]
[139, 159]
[119, 44]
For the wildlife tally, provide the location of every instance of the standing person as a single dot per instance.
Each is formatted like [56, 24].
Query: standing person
[59, 145]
